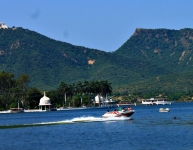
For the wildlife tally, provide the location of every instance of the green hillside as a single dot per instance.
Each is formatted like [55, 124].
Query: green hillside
[169, 50]
[48, 62]
[148, 59]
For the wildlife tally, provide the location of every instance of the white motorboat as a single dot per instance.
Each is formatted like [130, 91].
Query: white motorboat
[119, 113]
[164, 110]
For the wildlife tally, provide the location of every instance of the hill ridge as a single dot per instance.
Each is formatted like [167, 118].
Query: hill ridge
[148, 54]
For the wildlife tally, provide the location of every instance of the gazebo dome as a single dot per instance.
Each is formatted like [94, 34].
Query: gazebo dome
[44, 100]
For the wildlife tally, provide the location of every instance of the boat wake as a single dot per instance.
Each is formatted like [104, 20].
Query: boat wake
[70, 121]
[95, 119]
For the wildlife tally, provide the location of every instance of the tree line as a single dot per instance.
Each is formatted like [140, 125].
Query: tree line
[15, 93]
[11, 89]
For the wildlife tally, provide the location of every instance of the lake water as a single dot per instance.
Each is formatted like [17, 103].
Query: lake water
[86, 130]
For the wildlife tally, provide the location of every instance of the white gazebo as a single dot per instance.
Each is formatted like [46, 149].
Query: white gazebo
[44, 101]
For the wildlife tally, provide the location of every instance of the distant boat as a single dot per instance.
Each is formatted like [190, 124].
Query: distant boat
[164, 110]
[5, 111]
[162, 101]
[16, 110]
[148, 101]
[125, 104]
[156, 101]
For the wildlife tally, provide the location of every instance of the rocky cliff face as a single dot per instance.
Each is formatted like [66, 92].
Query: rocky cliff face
[163, 47]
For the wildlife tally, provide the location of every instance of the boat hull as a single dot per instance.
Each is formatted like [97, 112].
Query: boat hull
[119, 114]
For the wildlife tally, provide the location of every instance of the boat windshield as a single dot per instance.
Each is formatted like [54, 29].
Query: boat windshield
[119, 109]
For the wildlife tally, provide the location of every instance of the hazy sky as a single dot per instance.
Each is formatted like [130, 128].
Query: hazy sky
[98, 24]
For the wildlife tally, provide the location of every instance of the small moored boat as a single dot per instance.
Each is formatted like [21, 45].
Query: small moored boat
[119, 113]
[16, 110]
[164, 110]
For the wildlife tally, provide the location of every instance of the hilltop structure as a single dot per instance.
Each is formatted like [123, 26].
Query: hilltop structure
[3, 26]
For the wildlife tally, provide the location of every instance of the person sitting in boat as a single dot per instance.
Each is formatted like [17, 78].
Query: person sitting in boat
[115, 111]
[107, 112]
[124, 109]
[129, 108]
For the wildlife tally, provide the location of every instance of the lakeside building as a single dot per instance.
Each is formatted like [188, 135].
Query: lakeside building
[102, 102]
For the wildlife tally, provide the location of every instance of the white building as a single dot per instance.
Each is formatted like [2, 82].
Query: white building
[101, 101]
[3, 26]
[45, 102]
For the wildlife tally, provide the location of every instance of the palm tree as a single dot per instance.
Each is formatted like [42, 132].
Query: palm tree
[72, 90]
[96, 87]
[106, 88]
[88, 88]
[80, 88]
[64, 89]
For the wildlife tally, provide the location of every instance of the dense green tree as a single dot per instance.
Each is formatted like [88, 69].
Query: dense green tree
[33, 96]
[21, 83]
[88, 87]
[7, 82]
[55, 99]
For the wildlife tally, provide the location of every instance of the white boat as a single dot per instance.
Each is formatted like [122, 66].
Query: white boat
[164, 110]
[156, 101]
[162, 101]
[5, 111]
[16, 110]
[119, 113]
[148, 101]
[13, 110]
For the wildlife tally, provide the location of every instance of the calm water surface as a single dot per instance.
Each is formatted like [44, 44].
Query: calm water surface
[85, 130]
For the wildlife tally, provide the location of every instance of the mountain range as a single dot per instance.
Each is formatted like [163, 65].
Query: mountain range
[151, 59]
